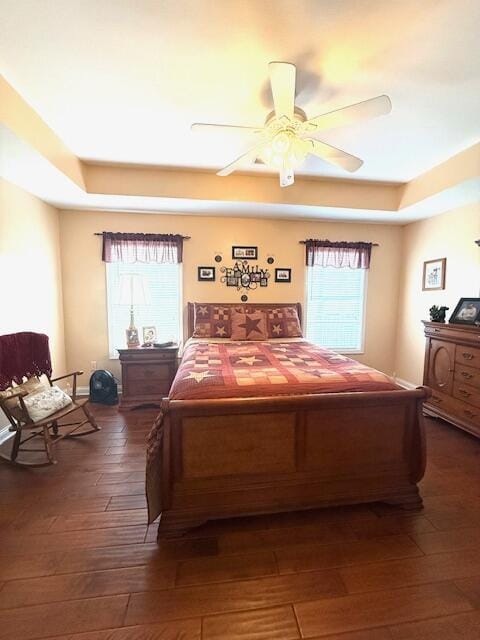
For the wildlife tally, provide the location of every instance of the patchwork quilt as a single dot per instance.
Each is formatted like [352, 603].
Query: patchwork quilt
[247, 369]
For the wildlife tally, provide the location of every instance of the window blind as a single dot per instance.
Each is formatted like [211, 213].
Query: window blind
[163, 312]
[335, 307]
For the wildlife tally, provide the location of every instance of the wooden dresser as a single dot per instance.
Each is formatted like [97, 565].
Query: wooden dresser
[147, 375]
[452, 370]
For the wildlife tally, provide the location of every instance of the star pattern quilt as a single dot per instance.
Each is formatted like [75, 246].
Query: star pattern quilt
[245, 369]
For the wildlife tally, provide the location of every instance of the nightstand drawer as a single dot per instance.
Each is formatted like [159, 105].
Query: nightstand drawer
[152, 387]
[149, 371]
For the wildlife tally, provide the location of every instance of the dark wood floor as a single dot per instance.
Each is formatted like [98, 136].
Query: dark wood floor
[78, 562]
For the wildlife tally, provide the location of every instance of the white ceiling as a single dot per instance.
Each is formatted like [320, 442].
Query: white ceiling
[122, 80]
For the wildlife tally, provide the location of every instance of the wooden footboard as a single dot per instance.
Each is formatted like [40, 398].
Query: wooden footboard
[234, 457]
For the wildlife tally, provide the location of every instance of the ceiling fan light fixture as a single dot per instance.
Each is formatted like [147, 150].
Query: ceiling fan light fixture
[284, 142]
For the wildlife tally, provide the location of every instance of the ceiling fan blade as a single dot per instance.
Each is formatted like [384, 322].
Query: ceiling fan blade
[333, 155]
[230, 128]
[282, 81]
[287, 177]
[246, 158]
[379, 106]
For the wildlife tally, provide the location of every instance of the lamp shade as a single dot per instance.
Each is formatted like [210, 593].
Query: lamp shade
[133, 290]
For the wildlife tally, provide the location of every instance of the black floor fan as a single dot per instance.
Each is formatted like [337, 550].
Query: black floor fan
[103, 387]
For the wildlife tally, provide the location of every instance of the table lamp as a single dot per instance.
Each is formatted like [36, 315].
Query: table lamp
[133, 291]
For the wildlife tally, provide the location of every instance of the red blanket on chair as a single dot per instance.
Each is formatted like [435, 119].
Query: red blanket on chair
[23, 354]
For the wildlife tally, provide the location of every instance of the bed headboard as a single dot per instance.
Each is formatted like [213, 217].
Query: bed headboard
[260, 305]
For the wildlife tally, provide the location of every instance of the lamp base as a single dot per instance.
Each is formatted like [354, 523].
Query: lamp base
[132, 333]
[132, 338]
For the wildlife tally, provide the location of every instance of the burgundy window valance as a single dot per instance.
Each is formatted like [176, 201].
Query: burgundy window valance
[324, 253]
[142, 247]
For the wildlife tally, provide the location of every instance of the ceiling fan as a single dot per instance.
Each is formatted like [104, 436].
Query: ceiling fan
[285, 140]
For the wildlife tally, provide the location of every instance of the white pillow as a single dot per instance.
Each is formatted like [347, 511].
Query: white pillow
[42, 404]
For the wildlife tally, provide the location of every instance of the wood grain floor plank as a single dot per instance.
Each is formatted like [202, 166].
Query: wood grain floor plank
[73, 586]
[178, 630]
[132, 555]
[392, 525]
[411, 571]
[263, 624]
[239, 567]
[85, 521]
[369, 634]
[376, 609]
[42, 621]
[308, 557]
[462, 626]
[107, 490]
[122, 502]
[190, 602]
[65, 541]
[471, 588]
[323, 533]
[444, 541]
[29, 566]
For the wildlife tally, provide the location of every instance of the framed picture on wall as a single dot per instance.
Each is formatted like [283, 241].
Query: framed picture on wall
[467, 311]
[434, 272]
[245, 253]
[283, 275]
[206, 274]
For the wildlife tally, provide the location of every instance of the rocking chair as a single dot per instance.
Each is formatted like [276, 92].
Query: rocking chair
[27, 355]
[48, 428]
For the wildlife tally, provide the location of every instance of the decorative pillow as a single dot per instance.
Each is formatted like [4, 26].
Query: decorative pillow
[212, 321]
[32, 385]
[282, 322]
[42, 404]
[249, 326]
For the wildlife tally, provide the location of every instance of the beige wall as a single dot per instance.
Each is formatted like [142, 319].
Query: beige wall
[30, 269]
[452, 236]
[84, 272]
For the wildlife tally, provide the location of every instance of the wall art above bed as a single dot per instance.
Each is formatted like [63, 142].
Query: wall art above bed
[243, 275]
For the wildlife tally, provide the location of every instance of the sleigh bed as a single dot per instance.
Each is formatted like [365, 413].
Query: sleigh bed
[279, 425]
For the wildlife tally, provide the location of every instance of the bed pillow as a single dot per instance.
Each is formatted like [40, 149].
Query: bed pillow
[282, 322]
[249, 326]
[212, 321]
[43, 403]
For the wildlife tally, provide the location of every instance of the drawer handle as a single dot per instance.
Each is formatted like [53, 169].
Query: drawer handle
[467, 356]
[469, 414]
[148, 372]
[436, 399]
[464, 393]
[467, 375]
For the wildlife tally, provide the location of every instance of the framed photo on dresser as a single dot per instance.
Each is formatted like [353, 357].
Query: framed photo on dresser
[467, 311]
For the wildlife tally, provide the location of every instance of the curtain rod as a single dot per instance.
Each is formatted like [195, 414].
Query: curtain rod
[101, 234]
[374, 244]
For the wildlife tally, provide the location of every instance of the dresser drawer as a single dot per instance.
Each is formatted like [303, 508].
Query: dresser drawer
[152, 387]
[457, 409]
[149, 371]
[467, 355]
[467, 375]
[466, 393]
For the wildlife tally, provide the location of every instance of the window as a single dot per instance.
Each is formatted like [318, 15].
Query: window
[336, 307]
[162, 312]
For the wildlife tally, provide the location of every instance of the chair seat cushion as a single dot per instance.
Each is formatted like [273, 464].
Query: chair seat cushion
[44, 403]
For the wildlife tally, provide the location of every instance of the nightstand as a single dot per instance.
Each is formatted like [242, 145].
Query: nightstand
[147, 375]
